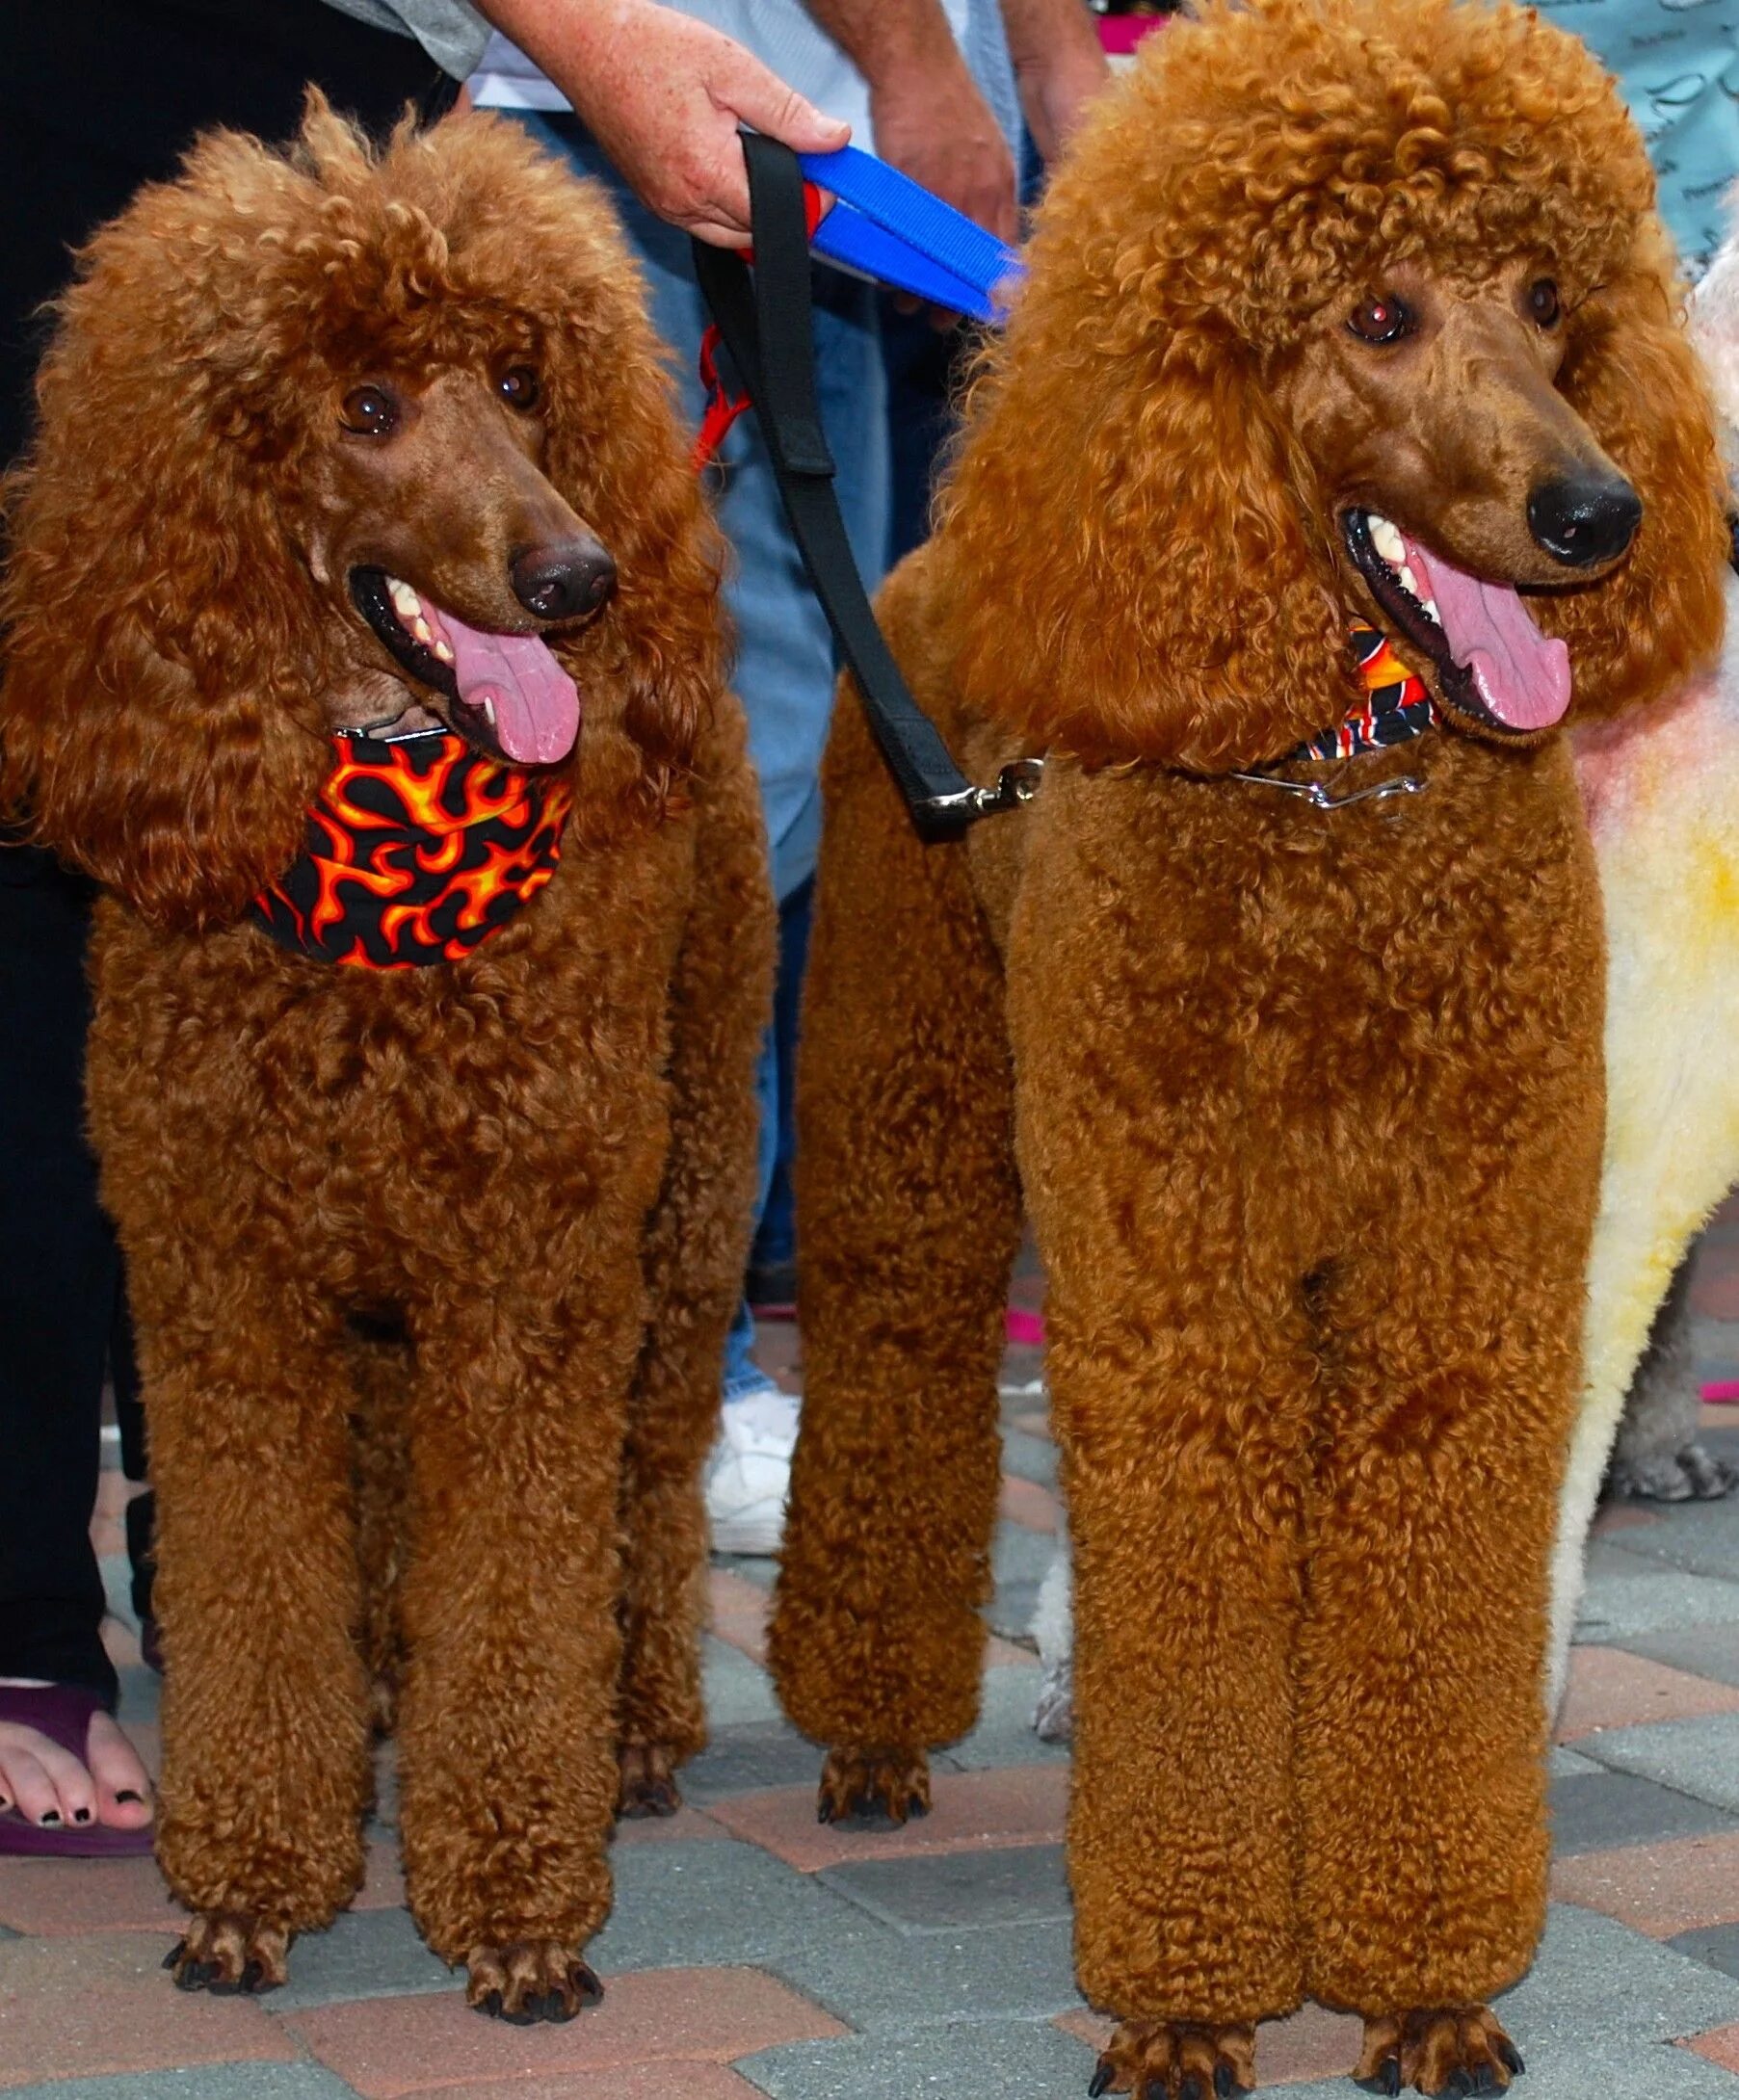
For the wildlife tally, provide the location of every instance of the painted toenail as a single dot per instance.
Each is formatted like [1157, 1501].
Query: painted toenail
[129, 1794]
[81, 1815]
[53, 1815]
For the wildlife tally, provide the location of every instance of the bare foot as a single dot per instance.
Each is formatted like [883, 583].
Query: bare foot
[48, 1785]
[863, 1782]
[1178, 2060]
[1459, 2050]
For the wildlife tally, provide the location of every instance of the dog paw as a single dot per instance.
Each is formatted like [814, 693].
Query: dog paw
[1457, 2050]
[1178, 2060]
[890, 1783]
[226, 1952]
[648, 1782]
[531, 1979]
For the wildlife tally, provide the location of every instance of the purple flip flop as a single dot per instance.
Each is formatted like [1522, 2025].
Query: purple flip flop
[62, 1714]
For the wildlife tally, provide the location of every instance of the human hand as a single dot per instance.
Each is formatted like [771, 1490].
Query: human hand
[664, 94]
[933, 124]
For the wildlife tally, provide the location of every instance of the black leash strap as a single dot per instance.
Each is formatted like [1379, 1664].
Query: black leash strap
[764, 317]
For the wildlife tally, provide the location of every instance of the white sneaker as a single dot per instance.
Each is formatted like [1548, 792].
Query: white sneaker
[750, 1471]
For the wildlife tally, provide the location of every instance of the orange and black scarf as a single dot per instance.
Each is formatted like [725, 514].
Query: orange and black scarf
[416, 853]
[1395, 709]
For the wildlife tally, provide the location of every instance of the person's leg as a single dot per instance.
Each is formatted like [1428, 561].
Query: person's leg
[772, 1260]
[784, 672]
[92, 103]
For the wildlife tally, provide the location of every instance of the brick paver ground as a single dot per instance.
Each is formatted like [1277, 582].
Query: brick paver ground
[753, 1953]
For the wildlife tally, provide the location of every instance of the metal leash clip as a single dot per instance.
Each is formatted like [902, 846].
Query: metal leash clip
[1016, 783]
[1319, 798]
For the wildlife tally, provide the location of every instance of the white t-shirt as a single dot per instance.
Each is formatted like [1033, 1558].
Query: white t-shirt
[784, 35]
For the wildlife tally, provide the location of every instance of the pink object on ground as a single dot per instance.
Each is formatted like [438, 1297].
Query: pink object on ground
[1120, 34]
[1722, 1393]
[1026, 1327]
[62, 1714]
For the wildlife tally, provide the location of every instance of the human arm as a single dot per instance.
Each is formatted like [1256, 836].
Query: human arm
[663, 95]
[1058, 66]
[930, 119]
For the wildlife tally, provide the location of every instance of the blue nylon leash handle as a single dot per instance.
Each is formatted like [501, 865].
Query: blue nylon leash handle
[893, 229]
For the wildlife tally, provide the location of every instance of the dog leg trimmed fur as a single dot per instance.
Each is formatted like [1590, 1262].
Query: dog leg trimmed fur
[257, 1591]
[907, 1213]
[697, 1247]
[507, 1770]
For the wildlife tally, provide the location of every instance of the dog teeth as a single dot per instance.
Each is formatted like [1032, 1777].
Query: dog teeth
[443, 650]
[1431, 611]
[1410, 582]
[1386, 539]
[488, 710]
[405, 601]
[422, 630]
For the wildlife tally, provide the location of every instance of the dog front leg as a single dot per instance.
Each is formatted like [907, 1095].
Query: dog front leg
[1184, 1461]
[1422, 1724]
[697, 1249]
[265, 1702]
[509, 1610]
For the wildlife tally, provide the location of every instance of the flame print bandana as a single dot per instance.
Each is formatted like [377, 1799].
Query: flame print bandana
[1395, 709]
[416, 853]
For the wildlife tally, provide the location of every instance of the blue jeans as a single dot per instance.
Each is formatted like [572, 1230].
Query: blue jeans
[784, 660]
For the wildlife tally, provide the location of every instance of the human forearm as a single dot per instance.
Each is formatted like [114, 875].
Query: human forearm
[663, 95]
[930, 119]
[1058, 66]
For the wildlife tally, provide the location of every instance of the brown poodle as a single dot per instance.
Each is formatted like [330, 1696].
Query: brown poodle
[1345, 313]
[431, 1258]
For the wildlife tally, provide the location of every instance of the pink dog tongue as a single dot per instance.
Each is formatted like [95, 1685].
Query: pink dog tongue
[1520, 677]
[535, 703]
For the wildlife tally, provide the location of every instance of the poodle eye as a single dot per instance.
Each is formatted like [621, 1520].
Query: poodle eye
[520, 387]
[1544, 302]
[370, 411]
[1382, 320]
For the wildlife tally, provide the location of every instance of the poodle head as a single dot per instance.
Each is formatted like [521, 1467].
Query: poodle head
[337, 437]
[1342, 310]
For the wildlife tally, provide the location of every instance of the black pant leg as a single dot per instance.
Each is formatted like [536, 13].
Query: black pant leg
[94, 100]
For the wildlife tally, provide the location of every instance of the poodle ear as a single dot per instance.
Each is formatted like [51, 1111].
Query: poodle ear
[1175, 606]
[1631, 374]
[156, 724]
[626, 465]
[617, 449]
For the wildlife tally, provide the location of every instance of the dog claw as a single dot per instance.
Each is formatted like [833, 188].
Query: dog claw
[647, 1783]
[529, 1983]
[1511, 2057]
[1191, 2089]
[230, 1954]
[866, 1782]
[1448, 2052]
[1100, 2081]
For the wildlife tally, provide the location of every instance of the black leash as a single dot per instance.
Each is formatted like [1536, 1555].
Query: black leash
[764, 317]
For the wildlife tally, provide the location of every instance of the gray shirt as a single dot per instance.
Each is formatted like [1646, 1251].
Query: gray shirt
[451, 31]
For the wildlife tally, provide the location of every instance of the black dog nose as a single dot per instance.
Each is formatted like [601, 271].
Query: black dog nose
[1585, 518]
[563, 581]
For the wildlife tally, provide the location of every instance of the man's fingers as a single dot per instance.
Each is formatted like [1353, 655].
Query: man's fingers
[760, 97]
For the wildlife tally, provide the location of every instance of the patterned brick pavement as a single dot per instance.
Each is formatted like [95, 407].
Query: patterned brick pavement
[754, 1953]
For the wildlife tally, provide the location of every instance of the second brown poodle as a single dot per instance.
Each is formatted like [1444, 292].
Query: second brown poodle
[364, 645]
[1281, 1005]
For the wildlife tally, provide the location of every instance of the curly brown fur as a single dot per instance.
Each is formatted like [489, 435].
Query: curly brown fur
[1307, 1104]
[536, 1160]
